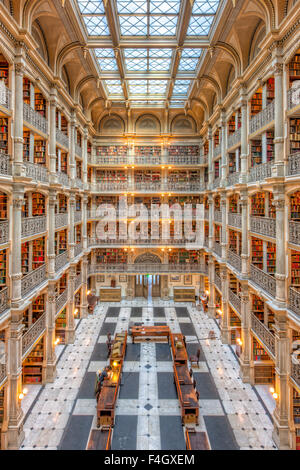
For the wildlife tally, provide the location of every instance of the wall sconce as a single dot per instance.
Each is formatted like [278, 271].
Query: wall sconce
[56, 341]
[88, 292]
[239, 341]
[21, 396]
[75, 311]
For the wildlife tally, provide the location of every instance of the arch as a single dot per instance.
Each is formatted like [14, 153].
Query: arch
[111, 124]
[202, 104]
[258, 36]
[230, 78]
[64, 53]
[233, 54]
[183, 124]
[147, 124]
[39, 36]
[289, 4]
[81, 84]
[214, 84]
[147, 257]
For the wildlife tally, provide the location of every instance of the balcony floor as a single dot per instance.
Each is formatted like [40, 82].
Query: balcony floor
[64, 412]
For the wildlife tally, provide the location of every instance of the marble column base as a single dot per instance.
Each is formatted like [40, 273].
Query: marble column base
[15, 436]
[245, 372]
[70, 336]
[50, 373]
[211, 312]
[280, 435]
[225, 335]
[84, 312]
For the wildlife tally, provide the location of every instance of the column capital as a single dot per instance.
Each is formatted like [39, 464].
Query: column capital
[20, 69]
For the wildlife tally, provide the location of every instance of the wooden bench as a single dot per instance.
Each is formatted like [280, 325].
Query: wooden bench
[179, 354]
[100, 439]
[196, 440]
[119, 359]
[150, 333]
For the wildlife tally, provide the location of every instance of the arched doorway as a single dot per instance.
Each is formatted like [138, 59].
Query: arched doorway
[147, 285]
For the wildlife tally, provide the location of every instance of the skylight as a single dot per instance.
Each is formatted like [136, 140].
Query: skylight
[148, 18]
[202, 17]
[181, 87]
[148, 60]
[93, 14]
[189, 59]
[106, 59]
[114, 87]
[147, 87]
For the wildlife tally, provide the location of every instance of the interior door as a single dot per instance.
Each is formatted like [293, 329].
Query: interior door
[139, 285]
[145, 287]
[156, 285]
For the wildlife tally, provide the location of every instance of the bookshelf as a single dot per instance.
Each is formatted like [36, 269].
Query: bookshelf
[258, 205]
[89, 174]
[217, 138]
[40, 152]
[63, 283]
[272, 208]
[256, 103]
[256, 152]
[294, 135]
[62, 203]
[217, 203]
[26, 321]
[233, 203]
[25, 257]
[111, 176]
[258, 307]
[296, 408]
[295, 268]
[61, 242]
[147, 176]
[111, 150]
[231, 162]
[78, 233]
[26, 146]
[257, 252]
[40, 104]
[78, 169]
[206, 148]
[38, 204]
[231, 125]
[235, 241]
[184, 150]
[25, 206]
[294, 68]
[271, 258]
[3, 266]
[78, 203]
[38, 252]
[295, 206]
[4, 70]
[77, 304]
[3, 206]
[146, 200]
[270, 90]
[182, 256]
[259, 354]
[2, 392]
[60, 326]
[64, 162]
[26, 90]
[111, 256]
[217, 231]
[33, 365]
[270, 146]
[264, 374]
[147, 150]
[3, 135]
[38, 308]
[217, 168]
[271, 319]
[235, 326]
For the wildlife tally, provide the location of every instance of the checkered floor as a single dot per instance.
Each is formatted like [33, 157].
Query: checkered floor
[148, 413]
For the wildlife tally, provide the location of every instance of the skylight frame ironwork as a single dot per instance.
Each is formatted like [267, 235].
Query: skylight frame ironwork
[202, 17]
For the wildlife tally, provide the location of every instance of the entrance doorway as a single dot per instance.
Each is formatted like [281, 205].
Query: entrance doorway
[147, 285]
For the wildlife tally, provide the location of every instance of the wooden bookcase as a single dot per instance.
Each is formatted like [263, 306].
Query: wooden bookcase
[25, 257]
[294, 135]
[256, 103]
[111, 256]
[60, 242]
[4, 70]
[235, 241]
[147, 150]
[257, 252]
[270, 90]
[62, 203]
[295, 268]
[233, 203]
[111, 150]
[184, 294]
[38, 204]
[231, 162]
[40, 104]
[26, 146]
[26, 90]
[111, 176]
[40, 152]
[3, 135]
[216, 138]
[3, 268]
[38, 252]
[38, 308]
[60, 326]
[258, 205]
[231, 125]
[182, 256]
[184, 150]
[294, 68]
[78, 169]
[256, 152]
[271, 258]
[77, 303]
[3, 206]
[295, 206]
[64, 125]
[33, 365]
[147, 176]
[2, 398]
[258, 306]
[270, 146]
[259, 354]
[217, 168]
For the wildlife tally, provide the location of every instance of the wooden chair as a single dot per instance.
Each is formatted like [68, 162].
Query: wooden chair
[195, 359]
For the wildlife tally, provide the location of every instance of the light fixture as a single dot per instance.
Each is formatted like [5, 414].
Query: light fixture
[275, 395]
[88, 292]
[25, 391]
[272, 390]
[207, 292]
[239, 341]
[21, 396]
[56, 341]
[75, 311]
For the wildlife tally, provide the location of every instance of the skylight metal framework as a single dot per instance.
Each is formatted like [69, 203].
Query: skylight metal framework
[145, 49]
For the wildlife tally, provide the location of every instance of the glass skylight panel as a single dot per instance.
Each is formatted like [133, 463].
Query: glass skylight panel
[202, 17]
[96, 25]
[177, 104]
[114, 87]
[136, 65]
[104, 53]
[189, 59]
[137, 87]
[142, 60]
[147, 87]
[106, 59]
[167, 6]
[133, 25]
[205, 6]
[157, 87]
[159, 64]
[163, 25]
[91, 6]
[181, 87]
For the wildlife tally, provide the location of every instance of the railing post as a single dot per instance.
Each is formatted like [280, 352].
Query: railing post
[245, 359]
[18, 114]
[278, 169]
[50, 369]
[211, 297]
[282, 367]
[16, 230]
[70, 307]
[225, 329]
[245, 254]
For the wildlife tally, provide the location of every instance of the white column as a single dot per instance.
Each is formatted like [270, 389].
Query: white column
[84, 156]
[211, 279]
[245, 357]
[18, 115]
[280, 276]
[51, 232]
[224, 225]
[244, 135]
[245, 241]
[50, 369]
[71, 226]
[52, 136]
[278, 169]
[210, 157]
[72, 173]
[16, 229]
[223, 174]
[70, 322]
[84, 303]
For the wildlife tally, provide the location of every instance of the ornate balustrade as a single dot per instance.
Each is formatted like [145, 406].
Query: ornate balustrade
[33, 334]
[61, 220]
[5, 165]
[31, 280]
[62, 138]
[77, 249]
[3, 373]
[77, 216]
[235, 301]
[218, 282]
[4, 300]
[61, 300]
[293, 97]
[295, 373]
[262, 279]
[4, 231]
[182, 160]
[113, 186]
[5, 97]
[218, 216]
[63, 179]
[263, 225]
[78, 281]
[143, 186]
[294, 300]
[262, 119]
[36, 172]
[78, 183]
[147, 268]
[235, 220]
[217, 150]
[61, 260]
[235, 260]
[294, 232]
[260, 172]
[216, 183]
[233, 178]
[234, 139]
[218, 249]
[34, 118]
[264, 335]
[110, 160]
[148, 241]
[206, 214]
[78, 150]
[293, 165]
[33, 225]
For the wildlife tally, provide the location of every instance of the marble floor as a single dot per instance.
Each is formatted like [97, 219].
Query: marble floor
[61, 415]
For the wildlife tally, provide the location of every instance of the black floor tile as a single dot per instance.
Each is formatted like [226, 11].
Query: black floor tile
[133, 352]
[113, 311]
[136, 311]
[87, 386]
[77, 433]
[129, 385]
[206, 386]
[163, 352]
[192, 349]
[171, 433]
[108, 328]
[182, 312]
[187, 329]
[166, 386]
[158, 312]
[100, 352]
[220, 433]
[125, 433]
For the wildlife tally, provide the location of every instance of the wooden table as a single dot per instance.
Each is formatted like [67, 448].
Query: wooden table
[120, 358]
[110, 294]
[196, 440]
[150, 332]
[182, 374]
[100, 439]
[107, 399]
[189, 403]
[179, 355]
